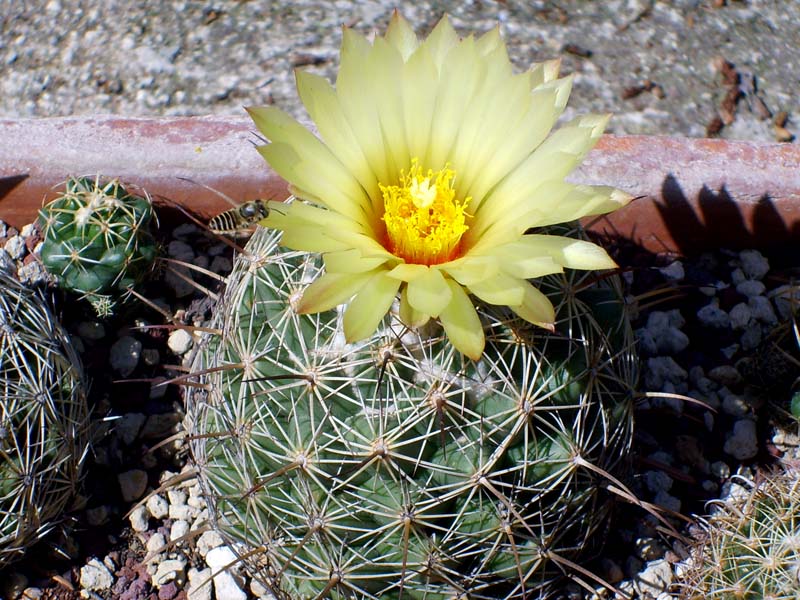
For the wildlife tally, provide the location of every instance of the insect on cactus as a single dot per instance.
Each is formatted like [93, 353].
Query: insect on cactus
[44, 418]
[97, 240]
[391, 408]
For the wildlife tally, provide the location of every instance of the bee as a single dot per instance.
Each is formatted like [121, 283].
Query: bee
[240, 219]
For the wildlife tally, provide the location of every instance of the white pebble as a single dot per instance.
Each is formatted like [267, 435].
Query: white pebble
[180, 341]
[762, 310]
[734, 405]
[170, 570]
[158, 506]
[667, 501]
[132, 484]
[711, 315]
[184, 230]
[786, 299]
[737, 276]
[178, 530]
[754, 265]
[750, 288]
[95, 577]
[97, 516]
[156, 543]
[740, 316]
[720, 469]
[208, 541]
[260, 591]
[751, 337]
[726, 375]
[660, 369]
[15, 246]
[182, 511]
[741, 442]
[657, 481]
[139, 519]
[199, 587]
[225, 586]
[221, 265]
[673, 271]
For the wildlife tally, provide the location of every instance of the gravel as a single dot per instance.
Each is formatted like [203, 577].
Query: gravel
[659, 66]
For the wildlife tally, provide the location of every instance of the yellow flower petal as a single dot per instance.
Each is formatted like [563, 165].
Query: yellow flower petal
[420, 83]
[430, 293]
[461, 323]
[458, 80]
[581, 201]
[358, 104]
[408, 272]
[400, 35]
[331, 290]
[518, 142]
[536, 308]
[517, 259]
[471, 268]
[384, 67]
[408, 315]
[441, 40]
[370, 305]
[572, 253]
[323, 107]
[501, 289]
[351, 261]
[544, 71]
[553, 160]
[336, 188]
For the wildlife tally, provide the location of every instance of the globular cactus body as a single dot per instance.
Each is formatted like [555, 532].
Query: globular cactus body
[44, 418]
[394, 467]
[97, 239]
[750, 546]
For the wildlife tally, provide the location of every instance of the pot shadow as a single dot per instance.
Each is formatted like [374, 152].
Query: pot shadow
[7, 184]
[719, 217]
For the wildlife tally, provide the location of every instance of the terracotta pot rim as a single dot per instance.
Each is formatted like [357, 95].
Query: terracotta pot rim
[694, 194]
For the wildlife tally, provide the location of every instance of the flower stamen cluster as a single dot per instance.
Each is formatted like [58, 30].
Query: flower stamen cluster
[424, 220]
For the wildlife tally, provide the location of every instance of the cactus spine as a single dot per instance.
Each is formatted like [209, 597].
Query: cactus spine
[395, 467]
[97, 240]
[750, 547]
[44, 418]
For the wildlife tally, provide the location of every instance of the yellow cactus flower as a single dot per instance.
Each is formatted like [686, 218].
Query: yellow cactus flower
[433, 162]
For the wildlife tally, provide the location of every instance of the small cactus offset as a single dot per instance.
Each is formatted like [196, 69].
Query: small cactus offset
[395, 467]
[44, 418]
[97, 240]
[750, 547]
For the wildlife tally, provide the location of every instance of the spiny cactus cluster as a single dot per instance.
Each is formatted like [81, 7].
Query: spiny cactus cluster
[44, 418]
[97, 240]
[751, 545]
[395, 467]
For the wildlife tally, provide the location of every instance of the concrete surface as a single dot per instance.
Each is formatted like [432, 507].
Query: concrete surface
[64, 57]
